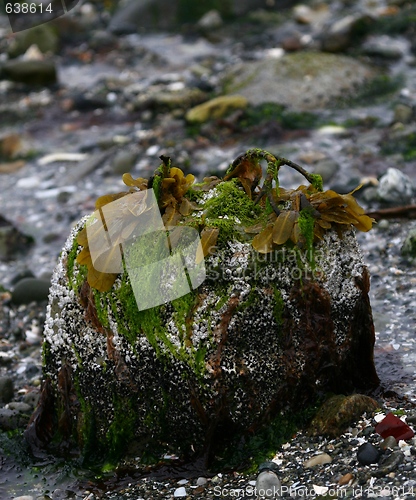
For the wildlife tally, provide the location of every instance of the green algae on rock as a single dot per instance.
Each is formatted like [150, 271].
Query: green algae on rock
[269, 329]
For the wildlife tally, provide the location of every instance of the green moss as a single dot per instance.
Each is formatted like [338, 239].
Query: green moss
[317, 182]
[100, 307]
[122, 427]
[86, 427]
[374, 91]
[72, 255]
[401, 144]
[229, 210]
[254, 116]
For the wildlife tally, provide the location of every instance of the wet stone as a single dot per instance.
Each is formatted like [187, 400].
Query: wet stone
[368, 454]
[338, 412]
[321, 459]
[6, 389]
[389, 442]
[30, 290]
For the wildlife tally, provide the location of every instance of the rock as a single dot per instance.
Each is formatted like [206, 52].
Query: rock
[394, 426]
[385, 47]
[268, 484]
[12, 419]
[223, 355]
[408, 248]
[20, 407]
[31, 73]
[345, 32]
[6, 389]
[389, 442]
[326, 168]
[301, 80]
[395, 187]
[338, 412]
[321, 459]
[135, 15]
[44, 36]
[124, 160]
[403, 113]
[215, 108]
[210, 21]
[368, 454]
[390, 463]
[10, 145]
[345, 479]
[12, 241]
[30, 290]
[180, 492]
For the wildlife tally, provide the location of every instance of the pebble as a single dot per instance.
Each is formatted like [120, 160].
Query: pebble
[395, 187]
[6, 389]
[389, 442]
[345, 479]
[29, 72]
[30, 289]
[321, 459]
[368, 454]
[408, 248]
[180, 492]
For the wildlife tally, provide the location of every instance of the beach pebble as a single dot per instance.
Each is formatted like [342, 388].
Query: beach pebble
[368, 454]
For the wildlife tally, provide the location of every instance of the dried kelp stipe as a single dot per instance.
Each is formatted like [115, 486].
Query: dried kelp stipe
[278, 216]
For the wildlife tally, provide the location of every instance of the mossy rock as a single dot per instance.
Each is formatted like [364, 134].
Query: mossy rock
[338, 412]
[306, 80]
[263, 334]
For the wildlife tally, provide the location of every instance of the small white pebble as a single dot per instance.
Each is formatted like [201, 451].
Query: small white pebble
[180, 492]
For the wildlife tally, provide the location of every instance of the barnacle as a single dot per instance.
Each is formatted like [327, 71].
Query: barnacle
[278, 216]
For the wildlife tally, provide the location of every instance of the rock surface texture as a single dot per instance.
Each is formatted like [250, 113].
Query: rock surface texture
[264, 333]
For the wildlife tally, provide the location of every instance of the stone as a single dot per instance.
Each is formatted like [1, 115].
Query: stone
[248, 342]
[403, 113]
[408, 248]
[10, 145]
[33, 73]
[301, 80]
[20, 407]
[395, 187]
[180, 492]
[44, 36]
[215, 108]
[321, 459]
[211, 20]
[344, 32]
[326, 168]
[124, 160]
[339, 412]
[394, 426]
[390, 463]
[268, 484]
[368, 454]
[385, 47]
[389, 442]
[345, 479]
[12, 241]
[133, 16]
[12, 419]
[6, 389]
[30, 290]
